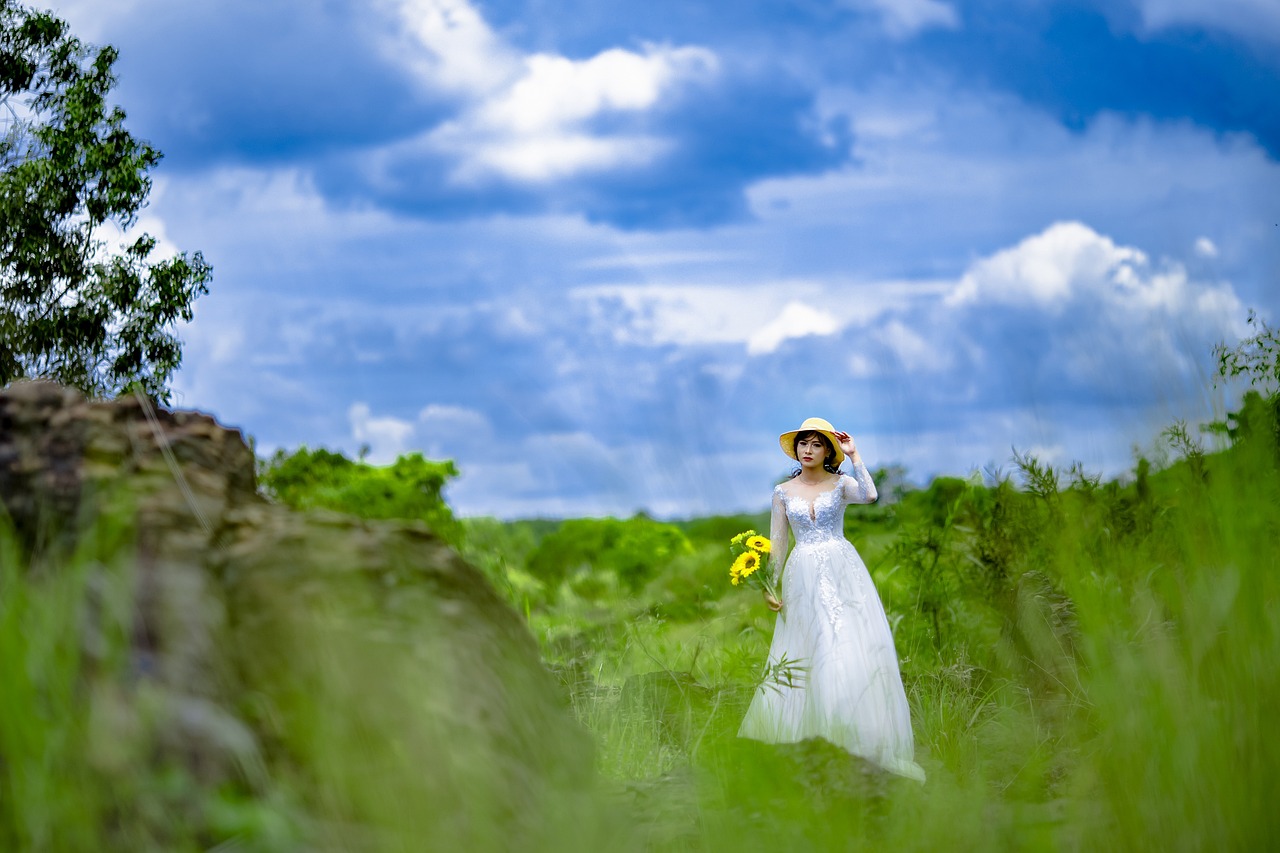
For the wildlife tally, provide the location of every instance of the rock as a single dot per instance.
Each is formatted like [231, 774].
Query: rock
[355, 658]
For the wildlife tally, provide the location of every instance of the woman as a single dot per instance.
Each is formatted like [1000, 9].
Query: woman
[844, 683]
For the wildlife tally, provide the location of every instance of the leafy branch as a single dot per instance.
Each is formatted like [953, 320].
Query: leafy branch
[1257, 357]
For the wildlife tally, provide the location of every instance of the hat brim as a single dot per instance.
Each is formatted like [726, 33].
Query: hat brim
[788, 441]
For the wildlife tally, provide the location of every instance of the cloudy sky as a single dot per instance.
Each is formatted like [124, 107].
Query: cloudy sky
[602, 253]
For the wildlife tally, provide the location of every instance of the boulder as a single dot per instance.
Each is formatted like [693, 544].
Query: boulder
[359, 671]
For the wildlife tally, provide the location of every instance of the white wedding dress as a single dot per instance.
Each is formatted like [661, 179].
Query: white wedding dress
[845, 686]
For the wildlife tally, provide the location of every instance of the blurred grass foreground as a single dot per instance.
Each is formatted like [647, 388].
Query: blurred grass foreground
[186, 665]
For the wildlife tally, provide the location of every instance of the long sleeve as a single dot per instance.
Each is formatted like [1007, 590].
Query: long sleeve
[858, 487]
[779, 534]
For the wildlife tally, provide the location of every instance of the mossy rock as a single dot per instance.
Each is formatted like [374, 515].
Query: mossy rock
[358, 675]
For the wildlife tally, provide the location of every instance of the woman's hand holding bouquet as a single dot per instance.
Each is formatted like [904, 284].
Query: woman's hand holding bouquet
[751, 566]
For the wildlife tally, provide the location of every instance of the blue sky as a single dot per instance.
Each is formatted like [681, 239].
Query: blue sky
[601, 254]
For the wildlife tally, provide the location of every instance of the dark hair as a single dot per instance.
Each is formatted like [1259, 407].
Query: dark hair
[828, 463]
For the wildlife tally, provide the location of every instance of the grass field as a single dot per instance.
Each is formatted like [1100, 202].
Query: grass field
[1090, 665]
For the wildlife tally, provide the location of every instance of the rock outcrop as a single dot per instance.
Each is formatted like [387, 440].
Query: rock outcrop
[361, 671]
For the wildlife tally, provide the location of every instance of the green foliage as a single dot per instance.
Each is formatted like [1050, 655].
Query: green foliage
[410, 488]
[1257, 417]
[71, 309]
[1256, 357]
[1089, 664]
[632, 550]
[1064, 650]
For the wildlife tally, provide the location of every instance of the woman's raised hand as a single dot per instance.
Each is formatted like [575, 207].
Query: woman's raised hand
[846, 444]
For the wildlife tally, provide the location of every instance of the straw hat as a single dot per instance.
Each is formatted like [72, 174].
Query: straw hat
[787, 439]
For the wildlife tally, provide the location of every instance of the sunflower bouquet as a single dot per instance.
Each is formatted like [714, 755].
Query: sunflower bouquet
[751, 562]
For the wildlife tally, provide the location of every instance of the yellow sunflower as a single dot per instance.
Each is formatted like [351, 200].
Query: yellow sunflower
[739, 569]
[759, 543]
[750, 561]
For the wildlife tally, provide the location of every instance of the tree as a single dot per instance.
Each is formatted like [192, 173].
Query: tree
[634, 549]
[412, 487]
[74, 309]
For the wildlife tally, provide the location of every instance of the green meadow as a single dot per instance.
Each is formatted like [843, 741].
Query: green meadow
[1091, 664]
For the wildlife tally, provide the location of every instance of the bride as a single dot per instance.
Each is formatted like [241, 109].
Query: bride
[831, 634]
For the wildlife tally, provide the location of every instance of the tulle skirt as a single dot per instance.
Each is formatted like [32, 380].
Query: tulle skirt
[834, 670]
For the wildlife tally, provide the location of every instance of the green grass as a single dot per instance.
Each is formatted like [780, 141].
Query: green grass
[1103, 682]
[1093, 668]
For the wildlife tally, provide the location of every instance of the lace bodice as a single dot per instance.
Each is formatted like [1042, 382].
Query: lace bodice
[819, 524]
[821, 520]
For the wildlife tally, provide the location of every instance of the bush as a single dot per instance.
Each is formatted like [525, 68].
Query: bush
[633, 550]
[410, 488]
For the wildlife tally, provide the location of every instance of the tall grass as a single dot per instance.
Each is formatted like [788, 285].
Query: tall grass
[331, 718]
[1090, 666]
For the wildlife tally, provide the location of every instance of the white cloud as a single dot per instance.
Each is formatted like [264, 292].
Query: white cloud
[148, 222]
[911, 349]
[452, 48]
[535, 130]
[578, 463]
[647, 260]
[115, 240]
[556, 91]
[543, 159]
[1206, 248]
[796, 320]
[436, 418]
[1107, 317]
[1248, 19]
[970, 173]
[439, 431]
[1070, 263]
[1054, 454]
[568, 449]
[944, 191]
[91, 19]
[905, 18]
[760, 315]
[453, 432]
[1049, 268]
[527, 118]
[887, 122]
[386, 437]
[861, 367]
[656, 315]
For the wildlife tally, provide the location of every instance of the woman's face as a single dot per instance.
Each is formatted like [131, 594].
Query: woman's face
[811, 451]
